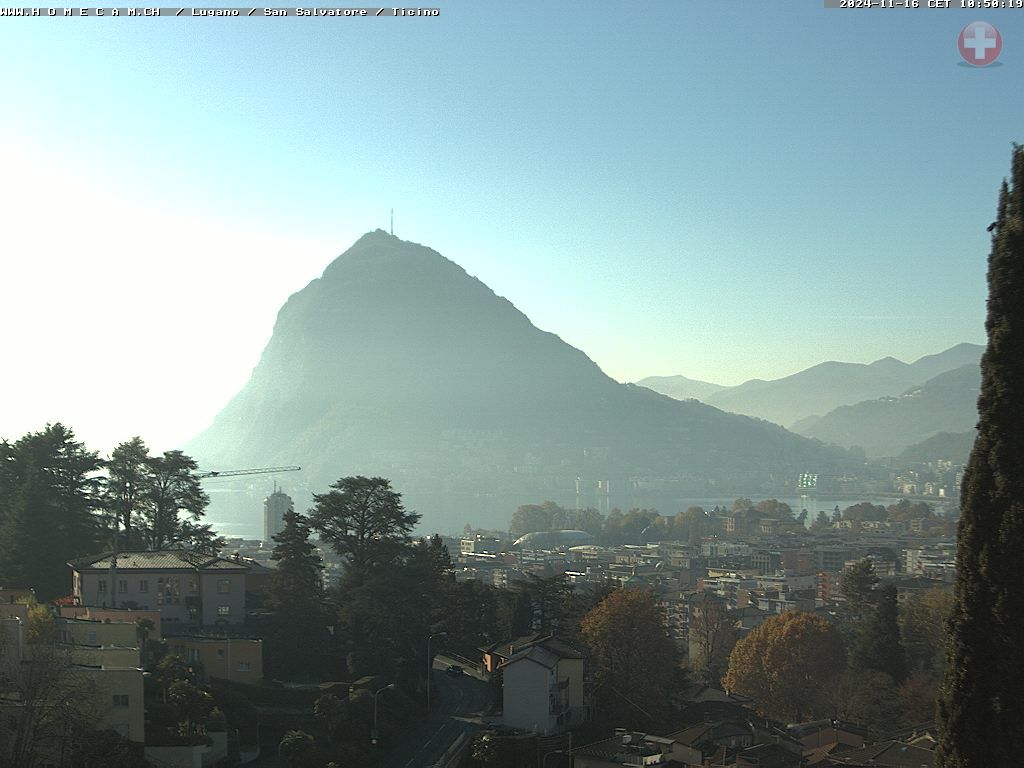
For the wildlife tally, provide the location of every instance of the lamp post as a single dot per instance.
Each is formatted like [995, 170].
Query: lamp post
[430, 664]
[373, 733]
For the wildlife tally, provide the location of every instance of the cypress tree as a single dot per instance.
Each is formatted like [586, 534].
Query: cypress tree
[981, 707]
[878, 646]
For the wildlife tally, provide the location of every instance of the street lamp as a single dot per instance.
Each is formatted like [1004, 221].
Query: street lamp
[430, 664]
[373, 733]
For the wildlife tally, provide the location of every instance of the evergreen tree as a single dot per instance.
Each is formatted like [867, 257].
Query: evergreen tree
[878, 646]
[981, 710]
[175, 504]
[296, 589]
[858, 585]
[296, 596]
[48, 501]
[126, 490]
[364, 520]
[25, 534]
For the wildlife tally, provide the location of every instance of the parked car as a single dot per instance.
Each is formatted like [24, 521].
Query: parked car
[454, 670]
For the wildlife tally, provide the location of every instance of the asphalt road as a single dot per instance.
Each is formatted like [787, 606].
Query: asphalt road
[458, 705]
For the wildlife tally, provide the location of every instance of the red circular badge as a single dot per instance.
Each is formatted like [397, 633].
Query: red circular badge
[979, 43]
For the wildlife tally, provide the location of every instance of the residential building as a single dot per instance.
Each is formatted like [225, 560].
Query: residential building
[228, 658]
[185, 587]
[114, 616]
[542, 687]
[96, 633]
[496, 654]
[108, 679]
[118, 699]
[12, 640]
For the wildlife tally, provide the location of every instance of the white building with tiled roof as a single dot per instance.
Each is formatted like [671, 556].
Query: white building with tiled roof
[186, 587]
[542, 687]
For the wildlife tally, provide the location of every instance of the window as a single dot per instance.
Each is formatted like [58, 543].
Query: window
[243, 666]
[223, 610]
[120, 699]
[171, 590]
[220, 653]
[224, 586]
[103, 585]
[122, 585]
[143, 585]
[90, 637]
[193, 654]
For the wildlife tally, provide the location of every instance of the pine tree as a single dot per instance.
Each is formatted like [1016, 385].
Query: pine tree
[981, 710]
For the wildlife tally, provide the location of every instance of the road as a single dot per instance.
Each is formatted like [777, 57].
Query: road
[458, 705]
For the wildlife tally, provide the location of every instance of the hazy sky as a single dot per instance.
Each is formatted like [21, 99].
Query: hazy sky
[722, 190]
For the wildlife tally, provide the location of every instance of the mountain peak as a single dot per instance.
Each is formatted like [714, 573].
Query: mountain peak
[397, 362]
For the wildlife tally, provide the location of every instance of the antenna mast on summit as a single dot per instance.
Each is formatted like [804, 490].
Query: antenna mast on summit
[392, 222]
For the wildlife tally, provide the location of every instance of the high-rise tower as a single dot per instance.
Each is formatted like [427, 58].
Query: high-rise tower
[274, 507]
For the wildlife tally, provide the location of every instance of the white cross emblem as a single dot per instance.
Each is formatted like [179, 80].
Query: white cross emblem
[979, 43]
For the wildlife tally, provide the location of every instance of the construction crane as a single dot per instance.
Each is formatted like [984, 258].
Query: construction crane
[237, 472]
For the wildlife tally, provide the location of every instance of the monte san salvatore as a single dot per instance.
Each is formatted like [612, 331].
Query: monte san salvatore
[396, 362]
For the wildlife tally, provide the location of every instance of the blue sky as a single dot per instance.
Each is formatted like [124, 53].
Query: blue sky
[722, 190]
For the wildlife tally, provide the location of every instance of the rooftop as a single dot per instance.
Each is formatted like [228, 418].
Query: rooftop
[169, 559]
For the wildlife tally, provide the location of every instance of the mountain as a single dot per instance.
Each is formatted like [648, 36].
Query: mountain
[396, 362]
[680, 387]
[949, 446]
[887, 426]
[797, 401]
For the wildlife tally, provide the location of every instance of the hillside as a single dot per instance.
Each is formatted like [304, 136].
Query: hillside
[887, 426]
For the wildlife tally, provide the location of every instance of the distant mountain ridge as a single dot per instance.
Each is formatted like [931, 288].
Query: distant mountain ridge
[799, 400]
[887, 426]
[397, 362]
[680, 387]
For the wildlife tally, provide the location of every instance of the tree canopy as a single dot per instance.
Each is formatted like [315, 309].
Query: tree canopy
[635, 662]
[364, 521]
[788, 665]
[49, 495]
[154, 502]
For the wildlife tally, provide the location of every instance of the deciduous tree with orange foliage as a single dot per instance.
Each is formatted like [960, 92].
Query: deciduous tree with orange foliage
[788, 665]
[635, 661]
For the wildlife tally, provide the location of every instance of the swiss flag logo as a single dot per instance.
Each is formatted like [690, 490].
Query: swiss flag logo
[979, 43]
